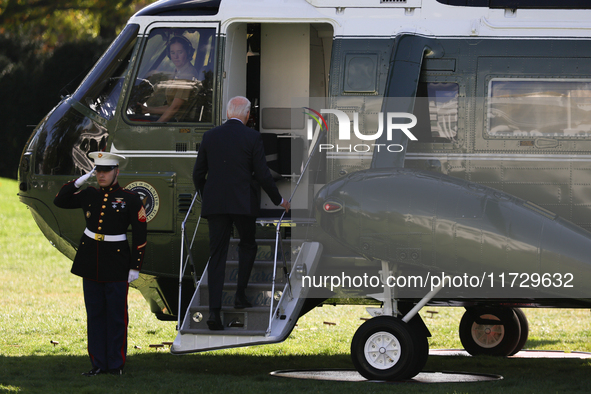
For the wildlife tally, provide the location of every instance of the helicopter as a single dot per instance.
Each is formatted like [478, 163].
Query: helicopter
[436, 152]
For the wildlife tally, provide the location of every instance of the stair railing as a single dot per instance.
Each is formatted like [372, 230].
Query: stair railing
[278, 238]
[183, 266]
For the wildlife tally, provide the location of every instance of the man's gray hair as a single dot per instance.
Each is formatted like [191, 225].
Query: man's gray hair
[238, 107]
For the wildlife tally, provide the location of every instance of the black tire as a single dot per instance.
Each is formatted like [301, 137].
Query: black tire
[384, 348]
[420, 332]
[524, 326]
[490, 339]
[422, 349]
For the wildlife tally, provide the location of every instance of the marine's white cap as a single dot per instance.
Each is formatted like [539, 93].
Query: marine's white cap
[105, 161]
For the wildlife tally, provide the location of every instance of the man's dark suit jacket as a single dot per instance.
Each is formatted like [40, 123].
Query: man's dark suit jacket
[232, 157]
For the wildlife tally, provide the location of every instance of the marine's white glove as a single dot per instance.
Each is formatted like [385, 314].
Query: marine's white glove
[133, 275]
[82, 180]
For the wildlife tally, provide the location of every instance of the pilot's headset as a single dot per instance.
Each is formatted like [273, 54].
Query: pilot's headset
[184, 41]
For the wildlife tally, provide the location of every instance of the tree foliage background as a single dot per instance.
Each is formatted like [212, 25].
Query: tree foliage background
[46, 49]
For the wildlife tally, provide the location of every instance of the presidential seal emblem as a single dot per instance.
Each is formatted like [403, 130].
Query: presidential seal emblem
[149, 197]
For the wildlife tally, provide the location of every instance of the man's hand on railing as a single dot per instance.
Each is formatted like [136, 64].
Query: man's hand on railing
[285, 204]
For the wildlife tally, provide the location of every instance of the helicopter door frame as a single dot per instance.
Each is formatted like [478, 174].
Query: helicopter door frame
[286, 63]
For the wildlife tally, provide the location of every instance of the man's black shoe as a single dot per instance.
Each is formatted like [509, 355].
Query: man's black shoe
[241, 302]
[94, 372]
[117, 371]
[215, 321]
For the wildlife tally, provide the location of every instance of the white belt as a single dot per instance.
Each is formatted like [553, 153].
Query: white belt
[103, 237]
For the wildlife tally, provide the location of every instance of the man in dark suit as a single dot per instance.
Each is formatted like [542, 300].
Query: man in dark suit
[232, 157]
[104, 259]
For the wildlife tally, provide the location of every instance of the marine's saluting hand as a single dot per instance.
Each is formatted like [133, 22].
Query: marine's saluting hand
[82, 180]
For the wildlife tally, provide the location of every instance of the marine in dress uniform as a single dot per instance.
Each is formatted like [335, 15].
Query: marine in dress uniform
[104, 259]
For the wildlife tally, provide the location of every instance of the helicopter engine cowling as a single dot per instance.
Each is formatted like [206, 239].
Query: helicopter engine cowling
[437, 225]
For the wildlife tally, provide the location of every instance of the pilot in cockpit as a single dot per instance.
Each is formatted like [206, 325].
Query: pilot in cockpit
[182, 88]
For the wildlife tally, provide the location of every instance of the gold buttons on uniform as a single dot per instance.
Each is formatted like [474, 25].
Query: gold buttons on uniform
[102, 214]
[100, 228]
[101, 220]
[104, 206]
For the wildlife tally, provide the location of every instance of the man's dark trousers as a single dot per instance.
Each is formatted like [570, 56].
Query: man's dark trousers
[220, 229]
[106, 310]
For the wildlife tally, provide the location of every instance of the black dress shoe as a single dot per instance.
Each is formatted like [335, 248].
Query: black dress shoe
[117, 371]
[241, 302]
[94, 372]
[215, 321]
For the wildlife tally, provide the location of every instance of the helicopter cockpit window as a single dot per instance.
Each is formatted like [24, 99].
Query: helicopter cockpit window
[66, 136]
[101, 89]
[175, 77]
[539, 107]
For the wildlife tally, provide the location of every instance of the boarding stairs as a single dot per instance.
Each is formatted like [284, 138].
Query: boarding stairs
[250, 321]
[274, 289]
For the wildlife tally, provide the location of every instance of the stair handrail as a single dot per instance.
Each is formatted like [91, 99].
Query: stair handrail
[272, 312]
[183, 267]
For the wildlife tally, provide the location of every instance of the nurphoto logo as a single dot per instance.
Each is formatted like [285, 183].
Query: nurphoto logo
[393, 120]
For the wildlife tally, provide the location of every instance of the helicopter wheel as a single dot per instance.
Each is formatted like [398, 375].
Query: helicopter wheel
[524, 332]
[384, 348]
[490, 338]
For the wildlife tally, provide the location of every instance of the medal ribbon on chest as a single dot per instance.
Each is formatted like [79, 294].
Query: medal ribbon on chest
[119, 202]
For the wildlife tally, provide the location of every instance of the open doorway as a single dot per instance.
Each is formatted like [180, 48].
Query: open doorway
[272, 64]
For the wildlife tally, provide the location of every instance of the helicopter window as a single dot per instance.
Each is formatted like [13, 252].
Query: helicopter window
[361, 73]
[67, 134]
[539, 107]
[436, 109]
[100, 91]
[175, 77]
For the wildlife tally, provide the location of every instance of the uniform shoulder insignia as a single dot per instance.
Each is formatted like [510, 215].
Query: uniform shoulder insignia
[141, 215]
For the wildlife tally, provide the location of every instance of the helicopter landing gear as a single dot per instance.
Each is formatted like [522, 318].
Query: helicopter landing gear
[388, 347]
[493, 331]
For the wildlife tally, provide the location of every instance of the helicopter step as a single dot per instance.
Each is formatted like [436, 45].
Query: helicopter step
[251, 321]
[265, 250]
[262, 272]
[275, 308]
[254, 320]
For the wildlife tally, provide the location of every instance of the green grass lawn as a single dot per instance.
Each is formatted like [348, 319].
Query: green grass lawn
[42, 302]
